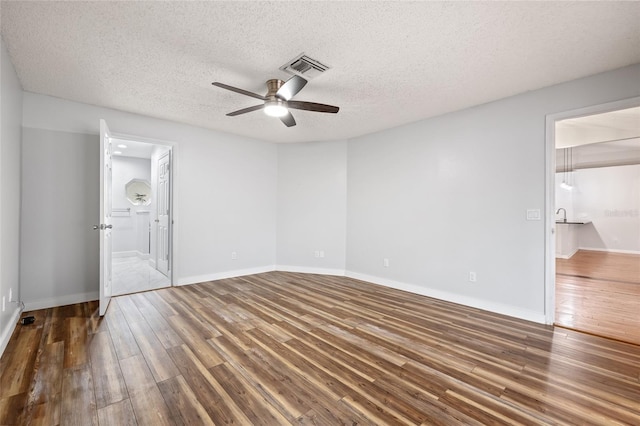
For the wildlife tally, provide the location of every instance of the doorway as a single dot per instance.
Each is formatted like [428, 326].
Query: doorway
[593, 218]
[141, 216]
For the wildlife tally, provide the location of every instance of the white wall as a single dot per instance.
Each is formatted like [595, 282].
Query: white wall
[446, 196]
[225, 191]
[312, 201]
[564, 197]
[127, 227]
[10, 137]
[610, 198]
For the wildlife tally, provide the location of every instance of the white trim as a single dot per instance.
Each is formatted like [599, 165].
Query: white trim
[8, 331]
[131, 253]
[567, 256]
[143, 256]
[222, 275]
[120, 254]
[412, 288]
[310, 270]
[607, 250]
[61, 301]
[472, 302]
[550, 170]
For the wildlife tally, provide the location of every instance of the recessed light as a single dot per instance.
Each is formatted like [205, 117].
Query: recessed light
[117, 152]
[122, 146]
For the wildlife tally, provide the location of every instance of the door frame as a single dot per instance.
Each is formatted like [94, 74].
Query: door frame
[550, 191]
[173, 228]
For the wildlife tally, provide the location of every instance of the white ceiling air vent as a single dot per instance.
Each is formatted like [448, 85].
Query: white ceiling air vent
[305, 67]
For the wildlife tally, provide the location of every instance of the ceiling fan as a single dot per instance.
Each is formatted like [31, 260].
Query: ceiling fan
[277, 101]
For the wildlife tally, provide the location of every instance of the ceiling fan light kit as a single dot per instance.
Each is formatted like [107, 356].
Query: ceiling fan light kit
[277, 101]
[275, 109]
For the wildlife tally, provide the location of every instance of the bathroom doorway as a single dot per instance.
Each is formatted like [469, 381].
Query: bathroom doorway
[593, 248]
[141, 216]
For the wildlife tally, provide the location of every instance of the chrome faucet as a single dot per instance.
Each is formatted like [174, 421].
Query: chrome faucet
[564, 216]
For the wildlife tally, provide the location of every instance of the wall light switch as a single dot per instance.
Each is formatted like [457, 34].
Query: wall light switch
[385, 262]
[533, 214]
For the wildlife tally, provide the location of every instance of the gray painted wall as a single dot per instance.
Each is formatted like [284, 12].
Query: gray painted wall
[10, 136]
[59, 249]
[438, 198]
[312, 207]
[225, 191]
[446, 196]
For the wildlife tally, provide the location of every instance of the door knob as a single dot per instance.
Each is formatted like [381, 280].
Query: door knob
[157, 220]
[102, 226]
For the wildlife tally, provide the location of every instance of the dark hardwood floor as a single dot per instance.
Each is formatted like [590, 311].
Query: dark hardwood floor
[599, 293]
[283, 348]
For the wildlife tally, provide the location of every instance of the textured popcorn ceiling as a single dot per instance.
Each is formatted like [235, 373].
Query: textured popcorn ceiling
[392, 62]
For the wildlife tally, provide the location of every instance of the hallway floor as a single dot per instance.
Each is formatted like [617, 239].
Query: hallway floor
[132, 275]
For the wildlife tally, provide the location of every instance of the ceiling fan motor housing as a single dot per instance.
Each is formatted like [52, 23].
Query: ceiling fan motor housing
[272, 87]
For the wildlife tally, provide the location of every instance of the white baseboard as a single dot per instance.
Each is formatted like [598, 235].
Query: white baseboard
[308, 270]
[5, 334]
[222, 275]
[567, 256]
[499, 308]
[152, 263]
[143, 256]
[130, 253]
[60, 301]
[609, 250]
[120, 254]
[473, 302]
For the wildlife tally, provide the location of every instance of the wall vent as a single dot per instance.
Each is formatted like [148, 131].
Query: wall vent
[305, 67]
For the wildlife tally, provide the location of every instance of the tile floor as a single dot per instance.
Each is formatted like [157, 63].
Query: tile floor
[132, 275]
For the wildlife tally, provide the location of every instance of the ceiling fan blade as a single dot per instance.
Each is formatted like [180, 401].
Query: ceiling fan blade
[245, 110]
[312, 106]
[288, 120]
[289, 89]
[241, 91]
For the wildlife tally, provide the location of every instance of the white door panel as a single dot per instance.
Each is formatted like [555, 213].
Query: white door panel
[163, 263]
[104, 226]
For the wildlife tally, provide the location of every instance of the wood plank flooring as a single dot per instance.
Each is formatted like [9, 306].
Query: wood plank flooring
[283, 348]
[599, 293]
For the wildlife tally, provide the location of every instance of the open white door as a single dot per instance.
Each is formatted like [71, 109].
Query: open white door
[163, 213]
[105, 217]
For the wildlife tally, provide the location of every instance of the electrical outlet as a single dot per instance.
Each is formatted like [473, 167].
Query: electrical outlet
[3, 304]
[321, 254]
[317, 253]
[234, 255]
[472, 277]
[385, 262]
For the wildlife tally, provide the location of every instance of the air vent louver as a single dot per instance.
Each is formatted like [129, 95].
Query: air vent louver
[305, 67]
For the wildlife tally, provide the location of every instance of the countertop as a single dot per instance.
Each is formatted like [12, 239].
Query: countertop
[573, 222]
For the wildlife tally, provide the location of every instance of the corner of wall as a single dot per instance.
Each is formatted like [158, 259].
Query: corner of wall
[7, 330]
